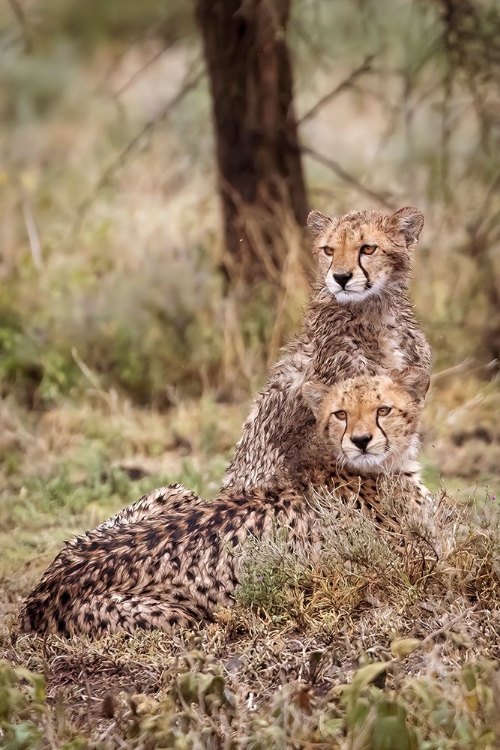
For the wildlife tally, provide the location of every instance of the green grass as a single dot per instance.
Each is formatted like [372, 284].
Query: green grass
[200, 707]
[120, 357]
[348, 651]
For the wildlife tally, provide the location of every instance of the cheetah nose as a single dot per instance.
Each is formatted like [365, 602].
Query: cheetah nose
[361, 441]
[342, 278]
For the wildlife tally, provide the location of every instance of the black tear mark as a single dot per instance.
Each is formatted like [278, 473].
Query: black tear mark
[383, 433]
[343, 434]
[368, 284]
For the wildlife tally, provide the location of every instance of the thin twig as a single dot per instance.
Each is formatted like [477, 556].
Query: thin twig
[120, 159]
[486, 204]
[365, 67]
[378, 96]
[146, 65]
[110, 171]
[92, 378]
[21, 19]
[448, 625]
[147, 33]
[32, 231]
[462, 367]
[6, 44]
[346, 177]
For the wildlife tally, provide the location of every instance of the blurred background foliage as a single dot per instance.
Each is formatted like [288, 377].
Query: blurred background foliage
[111, 241]
[128, 359]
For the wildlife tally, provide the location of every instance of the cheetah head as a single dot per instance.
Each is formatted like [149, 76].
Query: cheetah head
[371, 422]
[364, 252]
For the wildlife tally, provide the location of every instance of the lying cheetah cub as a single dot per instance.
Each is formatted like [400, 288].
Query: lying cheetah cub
[169, 559]
[359, 320]
[374, 420]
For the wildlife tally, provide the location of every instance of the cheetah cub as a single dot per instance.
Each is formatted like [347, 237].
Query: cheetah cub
[359, 320]
[169, 559]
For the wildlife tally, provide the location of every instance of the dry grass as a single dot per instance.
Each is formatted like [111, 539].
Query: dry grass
[317, 652]
[123, 366]
[269, 672]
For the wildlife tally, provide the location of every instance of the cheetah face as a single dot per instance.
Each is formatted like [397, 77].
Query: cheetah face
[371, 423]
[363, 252]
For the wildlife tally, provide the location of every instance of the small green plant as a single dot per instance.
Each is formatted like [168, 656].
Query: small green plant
[26, 721]
[37, 374]
[22, 706]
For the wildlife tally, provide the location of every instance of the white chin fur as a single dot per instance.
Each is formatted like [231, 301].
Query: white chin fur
[366, 461]
[382, 463]
[346, 295]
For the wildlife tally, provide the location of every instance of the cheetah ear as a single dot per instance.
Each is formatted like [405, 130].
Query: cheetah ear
[414, 380]
[314, 394]
[318, 222]
[409, 221]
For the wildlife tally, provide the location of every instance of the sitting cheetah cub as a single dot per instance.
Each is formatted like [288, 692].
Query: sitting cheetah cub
[169, 559]
[359, 320]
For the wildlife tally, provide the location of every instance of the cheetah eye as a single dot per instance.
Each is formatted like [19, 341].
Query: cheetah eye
[367, 249]
[327, 250]
[383, 411]
[342, 415]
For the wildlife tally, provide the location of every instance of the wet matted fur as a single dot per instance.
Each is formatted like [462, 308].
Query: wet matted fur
[364, 324]
[170, 558]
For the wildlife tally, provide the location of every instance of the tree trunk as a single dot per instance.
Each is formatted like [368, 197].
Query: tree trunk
[260, 171]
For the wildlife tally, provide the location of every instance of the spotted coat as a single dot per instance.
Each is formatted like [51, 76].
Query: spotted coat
[170, 558]
[339, 340]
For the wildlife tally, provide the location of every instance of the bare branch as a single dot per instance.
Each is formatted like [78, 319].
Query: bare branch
[346, 177]
[32, 231]
[484, 210]
[365, 67]
[188, 86]
[18, 11]
[448, 625]
[115, 165]
[146, 65]
[149, 32]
